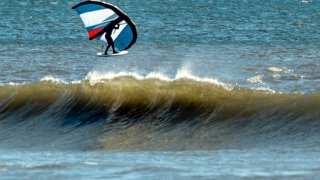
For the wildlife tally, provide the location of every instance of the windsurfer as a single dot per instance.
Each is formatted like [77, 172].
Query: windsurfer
[110, 27]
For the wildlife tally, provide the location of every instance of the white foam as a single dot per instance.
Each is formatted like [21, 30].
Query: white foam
[90, 163]
[305, 1]
[276, 76]
[255, 79]
[278, 69]
[76, 82]
[158, 75]
[12, 84]
[265, 89]
[53, 79]
[98, 77]
[183, 73]
[54, 3]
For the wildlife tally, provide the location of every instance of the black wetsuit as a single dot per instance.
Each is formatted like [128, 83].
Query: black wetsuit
[111, 26]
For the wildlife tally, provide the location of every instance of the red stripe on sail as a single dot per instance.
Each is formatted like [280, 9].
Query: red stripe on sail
[94, 32]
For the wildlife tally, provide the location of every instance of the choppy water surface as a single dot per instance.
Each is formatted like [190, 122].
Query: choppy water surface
[229, 164]
[210, 89]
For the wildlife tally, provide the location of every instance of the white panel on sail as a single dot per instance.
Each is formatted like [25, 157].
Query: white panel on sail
[96, 17]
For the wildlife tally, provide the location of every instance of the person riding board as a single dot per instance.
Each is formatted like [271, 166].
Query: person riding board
[113, 25]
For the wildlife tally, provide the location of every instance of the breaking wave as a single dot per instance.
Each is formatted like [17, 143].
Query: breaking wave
[131, 112]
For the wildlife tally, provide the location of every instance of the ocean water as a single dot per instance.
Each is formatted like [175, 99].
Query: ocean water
[211, 89]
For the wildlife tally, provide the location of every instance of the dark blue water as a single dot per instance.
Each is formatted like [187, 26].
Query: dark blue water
[272, 45]
[48, 70]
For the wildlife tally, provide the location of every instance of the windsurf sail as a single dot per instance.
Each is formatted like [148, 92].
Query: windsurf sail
[97, 15]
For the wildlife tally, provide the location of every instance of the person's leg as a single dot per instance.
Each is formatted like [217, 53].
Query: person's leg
[106, 51]
[110, 42]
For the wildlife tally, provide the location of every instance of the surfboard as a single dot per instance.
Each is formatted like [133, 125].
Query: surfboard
[101, 54]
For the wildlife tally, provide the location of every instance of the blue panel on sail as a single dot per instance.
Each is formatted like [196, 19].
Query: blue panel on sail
[124, 38]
